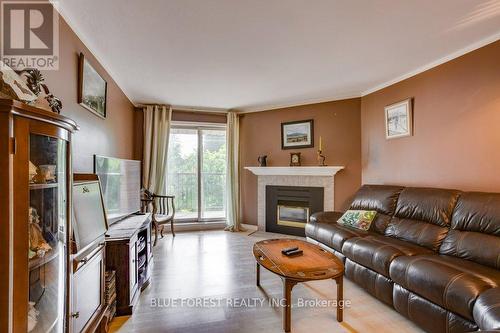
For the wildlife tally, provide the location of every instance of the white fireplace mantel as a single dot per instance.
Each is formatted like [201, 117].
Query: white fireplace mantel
[322, 171]
[315, 176]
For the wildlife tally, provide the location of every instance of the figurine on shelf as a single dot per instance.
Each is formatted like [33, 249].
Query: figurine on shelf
[33, 170]
[31, 254]
[36, 83]
[34, 80]
[13, 86]
[47, 172]
[37, 243]
[54, 103]
[321, 157]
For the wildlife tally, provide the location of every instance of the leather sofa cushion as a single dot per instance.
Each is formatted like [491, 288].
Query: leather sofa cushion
[323, 227]
[423, 216]
[479, 212]
[473, 246]
[475, 233]
[374, 283]
[431, 205]
[450, 282]
[417, 232]
[431, 317]
[377, 252]
[381, 198]
[487, 310]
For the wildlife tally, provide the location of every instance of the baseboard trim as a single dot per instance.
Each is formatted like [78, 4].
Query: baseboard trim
[195, 226]
[201, 226]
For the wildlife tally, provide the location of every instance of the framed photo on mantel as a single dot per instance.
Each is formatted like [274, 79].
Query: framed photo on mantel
[297, 134]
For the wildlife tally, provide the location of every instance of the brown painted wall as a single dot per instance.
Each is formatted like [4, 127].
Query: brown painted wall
[456, 127]
[337, 122]
[113, 136]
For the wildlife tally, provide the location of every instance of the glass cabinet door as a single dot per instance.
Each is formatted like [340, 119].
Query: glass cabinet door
[47, 253]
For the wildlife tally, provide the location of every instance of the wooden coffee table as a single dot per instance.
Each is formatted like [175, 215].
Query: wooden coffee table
[314, 264]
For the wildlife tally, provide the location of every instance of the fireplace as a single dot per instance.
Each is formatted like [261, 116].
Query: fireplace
[292, 216]
[308, 176]
[288, 208]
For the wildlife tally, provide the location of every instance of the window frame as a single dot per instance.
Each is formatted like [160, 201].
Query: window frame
[200, 127]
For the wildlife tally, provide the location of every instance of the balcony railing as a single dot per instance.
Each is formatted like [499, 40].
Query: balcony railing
[184, 185]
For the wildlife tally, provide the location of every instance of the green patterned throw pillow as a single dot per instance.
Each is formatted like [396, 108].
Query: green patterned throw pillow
[359, 219]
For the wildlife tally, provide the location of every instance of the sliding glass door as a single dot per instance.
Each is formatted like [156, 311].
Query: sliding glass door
[197, 172]
[213, 173]
[182, 171]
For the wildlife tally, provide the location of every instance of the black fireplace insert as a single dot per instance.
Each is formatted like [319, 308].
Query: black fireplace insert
[288, 208]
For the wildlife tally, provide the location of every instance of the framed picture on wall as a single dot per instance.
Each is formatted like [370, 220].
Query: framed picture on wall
[399, 119]
[297, 134]
[92, 88]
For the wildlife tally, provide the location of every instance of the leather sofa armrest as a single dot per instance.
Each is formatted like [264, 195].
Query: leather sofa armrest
[486, 310]
[325, 217]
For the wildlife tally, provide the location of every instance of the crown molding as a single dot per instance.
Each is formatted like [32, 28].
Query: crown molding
[474, 46]
[270, 107]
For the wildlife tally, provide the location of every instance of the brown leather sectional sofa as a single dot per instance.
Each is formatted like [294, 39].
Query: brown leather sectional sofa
[432, 254]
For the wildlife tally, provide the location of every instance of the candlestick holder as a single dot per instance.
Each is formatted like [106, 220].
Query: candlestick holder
[321, 158]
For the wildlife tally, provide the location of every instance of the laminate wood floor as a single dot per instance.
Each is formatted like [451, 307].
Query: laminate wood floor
[218, 266]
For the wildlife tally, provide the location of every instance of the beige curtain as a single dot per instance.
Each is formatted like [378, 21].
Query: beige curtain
[233, 192]
[157, 120]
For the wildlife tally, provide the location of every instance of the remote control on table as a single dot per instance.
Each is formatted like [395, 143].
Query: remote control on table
[294, 253]
[289, 249]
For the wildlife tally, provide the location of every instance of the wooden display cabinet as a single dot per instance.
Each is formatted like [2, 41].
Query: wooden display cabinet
[35, 213]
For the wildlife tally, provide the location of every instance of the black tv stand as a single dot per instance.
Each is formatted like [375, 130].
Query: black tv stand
[129, 252]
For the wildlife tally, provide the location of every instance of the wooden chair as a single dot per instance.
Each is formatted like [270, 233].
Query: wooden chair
[163, 211]
[146, 201]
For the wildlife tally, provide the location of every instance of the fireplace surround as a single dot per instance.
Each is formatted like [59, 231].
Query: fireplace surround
[294, 176]
[288, 207]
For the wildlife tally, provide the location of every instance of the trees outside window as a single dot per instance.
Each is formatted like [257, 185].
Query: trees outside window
[197, 172]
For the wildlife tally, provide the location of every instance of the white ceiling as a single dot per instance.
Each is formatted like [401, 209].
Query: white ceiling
[258, 54]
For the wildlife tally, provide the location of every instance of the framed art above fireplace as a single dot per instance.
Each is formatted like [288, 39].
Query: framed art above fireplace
[297, 134]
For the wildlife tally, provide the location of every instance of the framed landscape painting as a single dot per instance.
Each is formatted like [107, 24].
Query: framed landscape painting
[398, 119]
[297, 134]
[92, 88]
